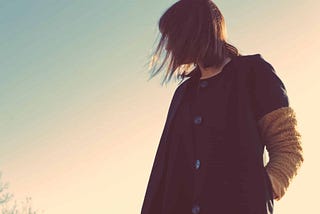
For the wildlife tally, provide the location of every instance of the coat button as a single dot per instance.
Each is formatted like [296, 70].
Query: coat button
[197, 119]
[195, 209]
[203, 83]
[197, 164]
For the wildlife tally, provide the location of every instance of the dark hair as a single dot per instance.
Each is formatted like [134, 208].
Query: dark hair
[192, 31]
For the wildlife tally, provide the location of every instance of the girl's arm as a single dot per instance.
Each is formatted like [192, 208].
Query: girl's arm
[283, 142]
[277, 124]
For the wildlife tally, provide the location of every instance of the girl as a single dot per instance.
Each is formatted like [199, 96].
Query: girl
[221, 118]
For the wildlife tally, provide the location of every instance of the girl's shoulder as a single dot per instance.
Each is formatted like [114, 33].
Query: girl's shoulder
[256, 60]
[249, 58]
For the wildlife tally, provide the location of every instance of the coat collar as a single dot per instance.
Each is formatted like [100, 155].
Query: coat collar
[193, 78]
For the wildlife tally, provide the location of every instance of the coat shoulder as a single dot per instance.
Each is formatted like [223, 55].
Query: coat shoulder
[250, 58]
[256, 60]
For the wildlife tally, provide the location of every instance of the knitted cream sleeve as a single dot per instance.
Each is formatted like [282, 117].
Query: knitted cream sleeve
[283, 143]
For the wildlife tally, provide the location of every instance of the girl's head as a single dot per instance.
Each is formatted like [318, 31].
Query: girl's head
[192, 32]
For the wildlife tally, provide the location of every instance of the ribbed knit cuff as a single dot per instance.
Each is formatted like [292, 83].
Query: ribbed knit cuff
[283, 143]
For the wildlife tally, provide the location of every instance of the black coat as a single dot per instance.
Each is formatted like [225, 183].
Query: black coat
[255, 187]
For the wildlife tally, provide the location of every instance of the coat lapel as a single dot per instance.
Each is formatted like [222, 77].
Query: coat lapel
[158, 168]
[178, 96]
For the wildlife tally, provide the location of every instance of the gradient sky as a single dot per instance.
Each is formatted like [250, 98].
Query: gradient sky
[80, 123]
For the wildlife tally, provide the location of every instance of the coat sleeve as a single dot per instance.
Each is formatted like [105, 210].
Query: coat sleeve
[277, 125]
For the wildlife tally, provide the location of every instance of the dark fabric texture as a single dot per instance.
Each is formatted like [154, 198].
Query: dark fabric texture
[231, 178]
